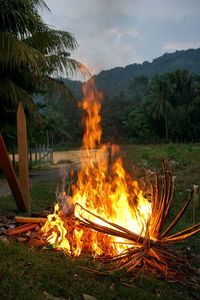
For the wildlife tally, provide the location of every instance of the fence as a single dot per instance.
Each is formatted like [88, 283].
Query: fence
[42, 155]
[37, 156]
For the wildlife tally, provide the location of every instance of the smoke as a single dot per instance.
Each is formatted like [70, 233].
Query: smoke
[118, 5]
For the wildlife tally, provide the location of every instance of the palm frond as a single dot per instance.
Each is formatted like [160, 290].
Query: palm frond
[21, 17]
[53, 85]
[16, 54]
[52, 41]
[11, 94]
[40, 3]
[31, 52]
[59, 64]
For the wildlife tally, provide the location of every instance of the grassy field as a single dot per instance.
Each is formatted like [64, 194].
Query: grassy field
[30, 273]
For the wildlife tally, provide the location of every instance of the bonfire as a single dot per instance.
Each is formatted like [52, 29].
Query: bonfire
[107, 214]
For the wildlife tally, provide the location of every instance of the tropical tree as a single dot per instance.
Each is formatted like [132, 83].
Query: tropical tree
[183, 87]
[138, 87]
[158, 100]
[138, 126]
[183, 119]
[31, 54]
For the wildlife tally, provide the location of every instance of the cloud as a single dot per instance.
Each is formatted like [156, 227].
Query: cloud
[173, 45]
[112, 47]
[115, 33]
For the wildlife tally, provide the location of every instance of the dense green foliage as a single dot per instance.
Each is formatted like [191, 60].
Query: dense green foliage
[147, 106]
[31, 53]
[113, 82]
[163, 108]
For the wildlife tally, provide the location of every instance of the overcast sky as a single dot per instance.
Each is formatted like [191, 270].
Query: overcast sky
[114, 33]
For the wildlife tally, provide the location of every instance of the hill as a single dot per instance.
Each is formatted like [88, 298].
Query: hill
[115, 81]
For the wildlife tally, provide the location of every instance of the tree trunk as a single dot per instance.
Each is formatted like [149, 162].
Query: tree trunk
[166, 130]
[48, 139]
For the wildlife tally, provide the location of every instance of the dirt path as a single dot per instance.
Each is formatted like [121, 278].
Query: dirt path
[63, 159]
[39, 175]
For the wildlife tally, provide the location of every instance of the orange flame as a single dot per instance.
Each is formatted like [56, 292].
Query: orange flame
[105, 191]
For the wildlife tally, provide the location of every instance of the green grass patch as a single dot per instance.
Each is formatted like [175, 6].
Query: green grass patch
[151, 155]
[27, 273]
[42, 196]
[184, 162]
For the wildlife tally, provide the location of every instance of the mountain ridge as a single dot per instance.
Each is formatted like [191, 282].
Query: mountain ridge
[115, 81]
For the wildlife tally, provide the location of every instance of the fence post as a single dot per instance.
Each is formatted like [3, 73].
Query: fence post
[36, 154]
[23, 155]
[40, 149]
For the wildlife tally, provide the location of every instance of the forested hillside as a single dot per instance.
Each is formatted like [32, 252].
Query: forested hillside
[143, 103]
[150, 102]
[116, 81]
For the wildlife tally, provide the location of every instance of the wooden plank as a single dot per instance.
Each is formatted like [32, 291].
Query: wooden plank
[9, 172]
[20, 219]
[23, 155]
[21, 229]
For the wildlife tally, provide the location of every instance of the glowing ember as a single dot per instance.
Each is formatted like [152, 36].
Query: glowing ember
[104, 191]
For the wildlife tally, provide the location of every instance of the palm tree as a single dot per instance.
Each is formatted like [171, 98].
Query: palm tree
[31, 53]
[183, 86]
[159, 95]
[138, 88]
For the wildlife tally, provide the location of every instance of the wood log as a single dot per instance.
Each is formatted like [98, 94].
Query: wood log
[20, 219]
[21, 229]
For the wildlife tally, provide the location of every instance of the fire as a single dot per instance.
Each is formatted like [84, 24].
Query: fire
[106, 191]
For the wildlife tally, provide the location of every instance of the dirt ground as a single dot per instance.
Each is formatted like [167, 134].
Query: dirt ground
[73, 156]
[61, 159]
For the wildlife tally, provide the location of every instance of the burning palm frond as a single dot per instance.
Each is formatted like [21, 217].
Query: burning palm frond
[150, 250]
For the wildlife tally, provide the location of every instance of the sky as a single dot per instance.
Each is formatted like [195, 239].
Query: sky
[116, 33]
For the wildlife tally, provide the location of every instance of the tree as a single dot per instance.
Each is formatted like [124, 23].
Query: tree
[183, 89]
[62, 119]
[159, 100]
[31, 53]
[138, 89]
[183, 124]
[139, 126]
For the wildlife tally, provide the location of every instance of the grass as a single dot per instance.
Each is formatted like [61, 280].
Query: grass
[26, 273]
[182, 159]
[42, 196]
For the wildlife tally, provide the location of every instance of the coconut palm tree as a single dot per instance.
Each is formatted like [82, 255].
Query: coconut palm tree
[183, 86]
[30, 54]
[159, 96]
